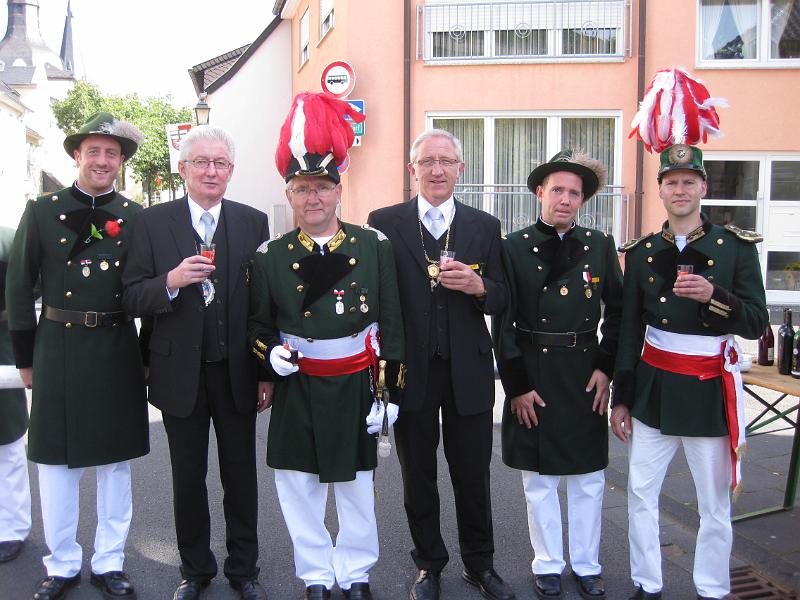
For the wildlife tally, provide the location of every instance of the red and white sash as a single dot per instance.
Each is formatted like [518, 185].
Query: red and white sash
[339, 356]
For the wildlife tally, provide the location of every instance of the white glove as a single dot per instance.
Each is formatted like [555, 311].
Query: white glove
[279, 359]
[375, 417]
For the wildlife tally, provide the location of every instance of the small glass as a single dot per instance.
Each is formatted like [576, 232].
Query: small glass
[209, 251]
[446, 256]
[292, 345]
[685, 270]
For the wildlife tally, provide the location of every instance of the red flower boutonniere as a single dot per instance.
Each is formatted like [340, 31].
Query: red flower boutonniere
[111, 228]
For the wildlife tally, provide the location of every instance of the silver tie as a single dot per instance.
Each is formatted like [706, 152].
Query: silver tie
[435, 222]
[208, 221]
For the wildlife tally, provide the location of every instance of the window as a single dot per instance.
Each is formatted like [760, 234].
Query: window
[761, 192]
[304, 35]
[749, 32]
[500, 152]
[325, 17]
[528, 29]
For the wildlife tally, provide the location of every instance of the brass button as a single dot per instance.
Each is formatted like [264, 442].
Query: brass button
[585, 266]
[62, 217]
[307, 314]
[120, 221]
[662, 299]
[295, 266]
[69, 263]
[67, 325]
[525, 236]
[300, 288]
[290, 246]
[62, 241]
[586, 248]
[119, 242]
[116, 263]
[309, 340]
[544, 289]
[544, 320]
[720, 241]
[539, 267]
[665, 321]
[352, 261]
[710, 262]
[55, 197]
[68, 294]
[544, 350]
[649, 259]
[353, 285]
[588, 234]
[125, 204]
[352, 309]
[711, 278]
[535, 249]
[117, 295]
[353, 240]
[648, 245]
[651, 279]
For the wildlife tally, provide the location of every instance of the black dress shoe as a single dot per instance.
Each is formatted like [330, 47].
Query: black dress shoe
[10, 550]
[427, 586]
[53, 588]
[699, 597]
[489, 583]
[358, 591]
[547, 585]
[640, 594]
[250, 589]
[189, 589]
[590, 587]
[114, 584]
[317, 592]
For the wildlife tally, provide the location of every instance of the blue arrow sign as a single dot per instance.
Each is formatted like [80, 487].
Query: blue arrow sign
[358, 105]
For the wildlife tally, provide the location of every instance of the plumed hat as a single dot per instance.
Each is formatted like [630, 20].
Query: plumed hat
[591, 171]
[104, 123]
[315, 137]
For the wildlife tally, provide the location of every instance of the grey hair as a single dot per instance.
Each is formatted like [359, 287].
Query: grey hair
[436, 133]
[207, 132]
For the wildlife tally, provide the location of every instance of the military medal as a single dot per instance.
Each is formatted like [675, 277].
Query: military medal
[588, 293]
[563, 291]
[363, 298]
[85, 270]
[339, 304]
[587, 278]
[104, 265]
[208, 290]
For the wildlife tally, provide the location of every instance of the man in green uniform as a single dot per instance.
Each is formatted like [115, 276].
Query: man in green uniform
[82, 359]
[688, 290]
[329, 290]
[15, 492]
[555, 374]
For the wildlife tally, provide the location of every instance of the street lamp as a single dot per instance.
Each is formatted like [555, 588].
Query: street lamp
[202, 110]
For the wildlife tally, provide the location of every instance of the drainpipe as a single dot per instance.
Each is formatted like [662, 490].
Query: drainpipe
[407, 23]
[639, 194]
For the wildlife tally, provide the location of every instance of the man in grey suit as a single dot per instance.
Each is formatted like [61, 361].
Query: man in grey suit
[200, 368]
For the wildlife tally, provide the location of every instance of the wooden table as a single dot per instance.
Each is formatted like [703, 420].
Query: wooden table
[769, 378]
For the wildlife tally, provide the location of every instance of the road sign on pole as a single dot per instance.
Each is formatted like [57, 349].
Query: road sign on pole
[338, 79]
[358, 106]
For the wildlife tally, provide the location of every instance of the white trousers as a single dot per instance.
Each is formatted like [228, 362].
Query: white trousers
[59, 490]
[584, 516]
[317, 561]
[15, 492]
[710, 465]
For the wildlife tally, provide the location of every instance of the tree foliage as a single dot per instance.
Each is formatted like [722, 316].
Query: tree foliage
[150, 164]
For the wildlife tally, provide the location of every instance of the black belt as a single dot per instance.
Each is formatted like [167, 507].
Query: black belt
[567, 339]
[87, 319]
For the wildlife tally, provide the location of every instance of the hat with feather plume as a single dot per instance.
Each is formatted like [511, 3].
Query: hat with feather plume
[315, 137]
[104, 123]
[591, 171]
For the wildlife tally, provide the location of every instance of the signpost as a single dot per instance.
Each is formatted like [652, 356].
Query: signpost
[338, 79]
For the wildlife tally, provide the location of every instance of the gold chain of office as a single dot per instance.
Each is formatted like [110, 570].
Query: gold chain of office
[433, 265]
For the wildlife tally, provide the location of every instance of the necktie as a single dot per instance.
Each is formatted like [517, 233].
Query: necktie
[435, 224]
[208, 221]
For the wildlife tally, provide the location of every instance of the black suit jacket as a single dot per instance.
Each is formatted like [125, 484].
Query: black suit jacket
[477, 241]
[162, 237]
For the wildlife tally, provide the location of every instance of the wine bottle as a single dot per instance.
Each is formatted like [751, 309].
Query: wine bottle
[785, 343]
[796, 355]
[766, 347]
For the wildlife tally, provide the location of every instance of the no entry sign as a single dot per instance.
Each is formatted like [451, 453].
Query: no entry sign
[338, 79]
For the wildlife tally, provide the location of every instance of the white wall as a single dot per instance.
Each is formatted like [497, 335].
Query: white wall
[252, 106]
[13, 163]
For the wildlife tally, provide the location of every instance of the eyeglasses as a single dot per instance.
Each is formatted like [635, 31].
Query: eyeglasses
[322, 191]
[445, 163]
[203, 163]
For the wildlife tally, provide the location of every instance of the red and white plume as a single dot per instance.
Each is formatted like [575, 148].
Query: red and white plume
[676, 109]
[315, 125]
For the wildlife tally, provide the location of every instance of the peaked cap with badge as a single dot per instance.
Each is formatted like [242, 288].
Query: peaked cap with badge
[591, 171]
[104, 123]
[325, 296]
[89, 405]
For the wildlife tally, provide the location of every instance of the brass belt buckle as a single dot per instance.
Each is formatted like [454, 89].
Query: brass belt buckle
[93, 321]
[574, 339]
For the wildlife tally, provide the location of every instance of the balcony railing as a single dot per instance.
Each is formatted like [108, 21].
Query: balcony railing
[527, 31]
[517, 208]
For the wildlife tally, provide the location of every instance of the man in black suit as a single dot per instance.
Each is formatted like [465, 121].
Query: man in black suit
[200, 368]
[449, 360]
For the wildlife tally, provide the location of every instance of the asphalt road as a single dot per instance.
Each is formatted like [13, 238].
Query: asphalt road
[152, 559]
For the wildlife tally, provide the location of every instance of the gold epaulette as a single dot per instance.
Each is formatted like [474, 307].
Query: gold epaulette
[631, 244]
[745, 234]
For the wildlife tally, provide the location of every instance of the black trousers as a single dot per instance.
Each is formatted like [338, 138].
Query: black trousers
[468, 450]
[188, 449]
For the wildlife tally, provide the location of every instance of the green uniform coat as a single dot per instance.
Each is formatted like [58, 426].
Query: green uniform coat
[89, 405]
[318, 423]
[681, 404]
[13, 403]
[540, 268]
